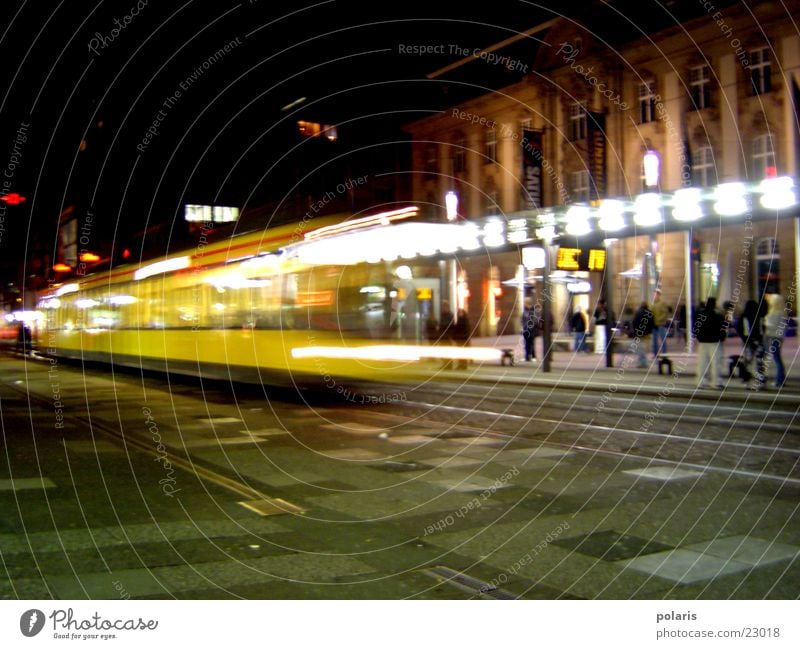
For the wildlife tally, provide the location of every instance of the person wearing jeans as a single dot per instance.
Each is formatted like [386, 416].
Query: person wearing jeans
[580, 326]
[774, 327]
[660, 319]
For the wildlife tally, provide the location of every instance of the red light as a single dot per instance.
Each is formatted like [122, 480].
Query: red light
[13, 199]
[126, 253]
[89, 257]
[772, 172]
[62, 268]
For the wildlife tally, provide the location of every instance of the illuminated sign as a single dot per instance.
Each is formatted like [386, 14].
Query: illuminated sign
[210, 214]
[593, 259]
[579, 287]
[597, 259]
[568, 259]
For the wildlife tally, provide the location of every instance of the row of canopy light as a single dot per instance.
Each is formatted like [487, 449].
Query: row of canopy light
[685, 205]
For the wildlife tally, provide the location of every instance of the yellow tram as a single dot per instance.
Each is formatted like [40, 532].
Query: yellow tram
[318, 302]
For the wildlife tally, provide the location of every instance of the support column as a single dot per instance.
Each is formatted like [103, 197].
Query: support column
[790, 47]
[687, 292]
[547, 309]
[729, 116]
[608, 293]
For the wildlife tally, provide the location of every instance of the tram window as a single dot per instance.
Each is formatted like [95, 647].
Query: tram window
[151, 301]
[184, 307]
[335, 298]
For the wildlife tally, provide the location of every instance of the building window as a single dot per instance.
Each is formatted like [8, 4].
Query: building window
[490, 145]
[647, 101]
[577, 122]
[460, 155]
[431, 159]
[768, 266]
[704, 170]
[491, 198]
[700, 86]
[760, 71]
[579, 186]
[526, 124]
[764, 165]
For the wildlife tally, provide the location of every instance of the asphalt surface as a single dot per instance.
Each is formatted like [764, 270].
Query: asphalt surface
[494, 482]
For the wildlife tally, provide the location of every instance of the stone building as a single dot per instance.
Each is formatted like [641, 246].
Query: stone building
[700, 106]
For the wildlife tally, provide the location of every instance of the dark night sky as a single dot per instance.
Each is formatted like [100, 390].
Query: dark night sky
[225, 139]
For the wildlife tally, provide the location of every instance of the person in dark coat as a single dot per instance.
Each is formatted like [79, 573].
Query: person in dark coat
[580, 327]
[461, 334]
[750, 328]
[710, 329]
[446, 326]
[529, 326]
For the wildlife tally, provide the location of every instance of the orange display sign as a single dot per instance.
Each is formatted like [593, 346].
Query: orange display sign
[592, 259]
[567, 259]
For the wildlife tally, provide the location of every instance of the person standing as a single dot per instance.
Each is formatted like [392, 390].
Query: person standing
[750, 327]
[774, 327]
[529, 329]
[660, 320]
[710, 330]
[642, 329]
[446, 326]
[601, 318]
[580, 325]
[461, 334]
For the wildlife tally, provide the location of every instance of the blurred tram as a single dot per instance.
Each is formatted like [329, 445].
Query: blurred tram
[315, 302]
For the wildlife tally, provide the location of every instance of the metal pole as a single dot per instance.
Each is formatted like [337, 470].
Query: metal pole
[608, 292]
[546, 306]
[689, 297]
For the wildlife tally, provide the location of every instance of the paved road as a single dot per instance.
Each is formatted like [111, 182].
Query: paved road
[486, 484]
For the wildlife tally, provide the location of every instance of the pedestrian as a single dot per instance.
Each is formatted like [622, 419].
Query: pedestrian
[529, 329]
[20, 346]
[680, 321]
[580, 325]
[601, 320]
[461, 335]
[642, 329]
[660, 319]
[446, 325]
[774, 328]
[431, 328]
[750, 328]
[710, 329]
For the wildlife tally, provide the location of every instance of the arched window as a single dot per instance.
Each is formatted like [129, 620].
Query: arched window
[704, 169]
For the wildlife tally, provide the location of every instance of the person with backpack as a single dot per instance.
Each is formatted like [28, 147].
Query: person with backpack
[580, 327]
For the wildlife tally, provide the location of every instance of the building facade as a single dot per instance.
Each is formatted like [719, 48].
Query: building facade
[698, 106]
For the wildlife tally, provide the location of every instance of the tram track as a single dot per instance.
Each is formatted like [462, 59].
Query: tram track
[777, 462]
[631, 410]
